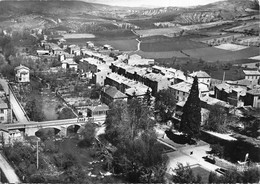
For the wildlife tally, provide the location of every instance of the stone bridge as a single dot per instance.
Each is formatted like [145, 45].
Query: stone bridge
[31, 128]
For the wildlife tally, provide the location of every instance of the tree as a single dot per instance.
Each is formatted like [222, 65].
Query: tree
[138, 156]
[33, 109]
[251, 175]
[66, 113]
[184, 174]
[165, 103]
[95, 92]
[191, 117]
[217, 119]
[88, 134]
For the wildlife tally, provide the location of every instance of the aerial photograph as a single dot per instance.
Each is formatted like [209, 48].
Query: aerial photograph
[129, 91]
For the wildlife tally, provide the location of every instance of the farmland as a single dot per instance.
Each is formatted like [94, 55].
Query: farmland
[212, 54]
[163, 55]
[170, 44]
[122, 45]
[170, 32]
[78, 36]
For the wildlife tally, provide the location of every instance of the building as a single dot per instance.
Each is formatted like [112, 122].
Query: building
[90, 44]
[100, 76]
[252, 75]
[108, 47]
[69, 64]
[22, 74]
[110, 94]
[135, 60]
[202, 76]
[182, 90]
[253, 98]
[5, 112]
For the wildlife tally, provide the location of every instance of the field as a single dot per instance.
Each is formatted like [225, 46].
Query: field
[122, 45]
[77, 36]
[170, 44]
[230, 47]
[212, 54]
[170, 32]
[163, 55]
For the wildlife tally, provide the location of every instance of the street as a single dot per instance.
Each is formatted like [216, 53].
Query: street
[19, 113]
[8, 171]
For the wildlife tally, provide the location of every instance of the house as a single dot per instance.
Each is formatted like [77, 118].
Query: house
[90, 44]
[43, 52]
[22, 74]
[252, 98]
[252, 75]
[202, 76]
[108, 47]
[99, 110]
[5, 112]
[69, 64]
[110, 94]
[100, 76]
[182, 90]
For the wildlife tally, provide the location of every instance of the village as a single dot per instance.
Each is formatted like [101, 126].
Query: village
[119, 76]
[101, 93]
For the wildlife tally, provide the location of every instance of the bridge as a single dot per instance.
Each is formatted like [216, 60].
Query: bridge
[62, 126]
[30, 127]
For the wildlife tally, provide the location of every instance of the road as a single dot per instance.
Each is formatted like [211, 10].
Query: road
[17, 109]
[8, 171]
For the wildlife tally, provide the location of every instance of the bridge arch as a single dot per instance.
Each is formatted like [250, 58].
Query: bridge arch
[45, 133]
[73, 129]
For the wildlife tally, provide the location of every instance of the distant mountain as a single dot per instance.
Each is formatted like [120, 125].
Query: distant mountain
[53, 7]
[226, 10]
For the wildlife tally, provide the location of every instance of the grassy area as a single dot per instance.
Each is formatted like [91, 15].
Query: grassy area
[202, 172]
[170, 44]
[122, 45]
[212, 54]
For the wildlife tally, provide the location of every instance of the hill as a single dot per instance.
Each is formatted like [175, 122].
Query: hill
[223, 10]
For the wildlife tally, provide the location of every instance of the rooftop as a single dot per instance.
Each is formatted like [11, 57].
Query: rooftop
[200, 74]
[113, 92]
[21, 67]
[251, 72]
[255, 92]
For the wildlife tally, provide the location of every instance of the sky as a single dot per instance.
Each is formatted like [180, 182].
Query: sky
[153, 3]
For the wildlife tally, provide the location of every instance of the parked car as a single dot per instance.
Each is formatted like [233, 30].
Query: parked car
[210, 159]
[221, 171]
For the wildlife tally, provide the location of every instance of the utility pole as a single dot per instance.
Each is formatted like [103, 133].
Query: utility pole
[37, 155]
[224, 77]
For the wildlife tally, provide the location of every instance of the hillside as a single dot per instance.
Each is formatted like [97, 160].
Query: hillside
[49, 7]
[223, 10]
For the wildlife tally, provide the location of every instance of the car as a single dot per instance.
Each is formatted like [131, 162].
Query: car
[210, 159]
[221, 171]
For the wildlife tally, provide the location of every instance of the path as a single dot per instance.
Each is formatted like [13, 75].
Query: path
[16, 107]
[8, 170]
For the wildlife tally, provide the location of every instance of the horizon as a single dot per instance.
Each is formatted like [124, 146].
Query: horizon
[143, 3]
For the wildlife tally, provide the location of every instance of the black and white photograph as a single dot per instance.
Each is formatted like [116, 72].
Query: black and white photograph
[129, 91]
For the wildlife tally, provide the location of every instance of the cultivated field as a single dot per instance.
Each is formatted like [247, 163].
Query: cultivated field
[163, 55]
[170, 44]
[212, 54]
[77, 36]
[169, 32]
[230, 47]
[122, 45]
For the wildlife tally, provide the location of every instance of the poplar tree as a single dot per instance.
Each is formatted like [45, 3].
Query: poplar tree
[191, 117]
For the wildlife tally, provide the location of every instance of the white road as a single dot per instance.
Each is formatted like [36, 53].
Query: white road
[16, 107]
[8, 171]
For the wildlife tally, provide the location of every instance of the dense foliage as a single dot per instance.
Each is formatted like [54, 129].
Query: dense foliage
[252, 175]
[138, 155]
[165, 104]
[184, 174]
[191, 117]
